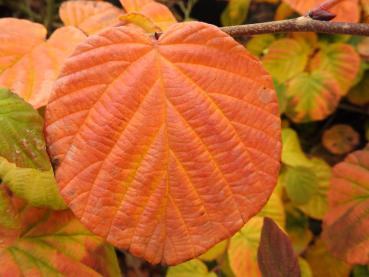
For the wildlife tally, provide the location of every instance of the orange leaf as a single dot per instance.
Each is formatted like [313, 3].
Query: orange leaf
[167, 146]
[89, 16]
[155, 12]
[346, 11]
[346, 223]
[323, 264]
[340, 139]
[29, 65]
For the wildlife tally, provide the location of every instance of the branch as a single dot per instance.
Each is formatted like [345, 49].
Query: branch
[300, 24]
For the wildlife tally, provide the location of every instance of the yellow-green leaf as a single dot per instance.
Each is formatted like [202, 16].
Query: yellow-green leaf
[215, 252]
[286, 58]
[297, 227]
[305, 268]
[301, 183]
[258, 44]
[21, 133]
[292, 153]
[193, 268]
[37, 186]
[236, 12]
[318, 204]
[24, 164]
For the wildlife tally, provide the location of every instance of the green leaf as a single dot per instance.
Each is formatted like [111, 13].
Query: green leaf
[312, 96]
[38, 187]
[235, 12]
[300, 183]
[286, 58]
[360, 271]
[21, 133]
[195, 268]
[282, 97]
[24, 164]
[292, 153]
[258, 44]
[318, 203]
[297, 227]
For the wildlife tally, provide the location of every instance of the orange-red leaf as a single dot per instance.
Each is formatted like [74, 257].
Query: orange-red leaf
[89, 16]
[346, 11]
[156, 13]
[346, 223]
[167, 146]
[40, 242]
[29, 65]
[340, 139]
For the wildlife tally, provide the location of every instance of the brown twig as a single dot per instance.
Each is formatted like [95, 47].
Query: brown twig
[300, 24]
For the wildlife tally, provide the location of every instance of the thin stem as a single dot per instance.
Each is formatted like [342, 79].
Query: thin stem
[49, 16]
[354, 109]
[300, 24]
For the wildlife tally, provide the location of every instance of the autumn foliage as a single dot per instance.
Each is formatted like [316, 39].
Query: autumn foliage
[125, 130]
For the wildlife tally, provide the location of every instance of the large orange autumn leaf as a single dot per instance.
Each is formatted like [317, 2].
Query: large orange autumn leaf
[346, 223]
[40, 242]
[346, 10]
[89, 16]
[165, 146]
[29, 64]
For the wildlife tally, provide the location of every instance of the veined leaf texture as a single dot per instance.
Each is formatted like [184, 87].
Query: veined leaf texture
[166, 146]
[348, 209]
[41, 242]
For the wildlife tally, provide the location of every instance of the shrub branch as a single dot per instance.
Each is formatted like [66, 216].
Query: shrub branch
[300, 24]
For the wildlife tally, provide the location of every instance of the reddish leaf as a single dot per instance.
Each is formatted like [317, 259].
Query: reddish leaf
[39, 242]
[340, 139]
[275, 254]
[167, 146]
[346, 223]
[346, 11]
[89, 16]
[29, 65]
